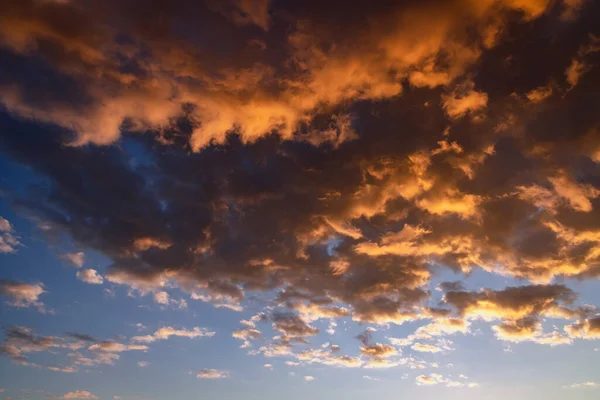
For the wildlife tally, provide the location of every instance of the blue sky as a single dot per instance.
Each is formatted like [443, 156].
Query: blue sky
[274, 199]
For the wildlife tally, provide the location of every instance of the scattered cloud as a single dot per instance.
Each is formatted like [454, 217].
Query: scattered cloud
[212, 374]
[115, 347]
[166, 332]
[23, 294]
[582, 385]
[79, 394]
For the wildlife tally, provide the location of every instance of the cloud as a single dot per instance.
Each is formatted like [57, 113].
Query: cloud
[115, 347]
[244, 12]
[161, 297]
[212, 374]
[237, 96]
[8, 241]
[77, 259]
[586, 329]
[510, 303]
[328, 358]
[337, 169]
[539, 94]
[166, 332]
[90, 276]
[435, 379]
[309, 378]
[463, 101]
[425, 380]
[579, 65]
[21, 340]
[588, 384]
[23, 294]
[79, 394]
[82, 337]
[292, 325]
[444, 326]
[425, 348]
[143, 364]
[378, 350]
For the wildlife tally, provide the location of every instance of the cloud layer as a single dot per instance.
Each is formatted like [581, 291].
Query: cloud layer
[323, 170]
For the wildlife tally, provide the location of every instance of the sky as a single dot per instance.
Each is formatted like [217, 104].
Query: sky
[267, 199]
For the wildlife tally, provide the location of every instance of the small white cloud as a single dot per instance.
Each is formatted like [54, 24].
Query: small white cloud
[309, 378]
[79, 394]
[161, 297]
[90, 276]
[210, 373]
[143, 364]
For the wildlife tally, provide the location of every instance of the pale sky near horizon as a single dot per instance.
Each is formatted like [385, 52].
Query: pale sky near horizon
[267, 199]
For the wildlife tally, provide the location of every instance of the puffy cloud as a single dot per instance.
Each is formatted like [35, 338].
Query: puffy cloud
[309, 378]
[23, 294]
[344, 166]
[512, 302]
[518, 330]
[444, 326]
[529, 329]
[90, 276]
[242, 97]
[578, 196]
[161, 297]
[8, 241]
[586, 329]
[212, 374]
[464, 100]
[292, 326]
[378, 350]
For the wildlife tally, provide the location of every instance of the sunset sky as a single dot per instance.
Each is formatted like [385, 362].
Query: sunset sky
[288, 199]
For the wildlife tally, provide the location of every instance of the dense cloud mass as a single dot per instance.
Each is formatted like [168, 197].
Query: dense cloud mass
[330, 160]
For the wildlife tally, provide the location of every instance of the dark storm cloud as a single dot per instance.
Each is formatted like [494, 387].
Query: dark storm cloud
[338, 155]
